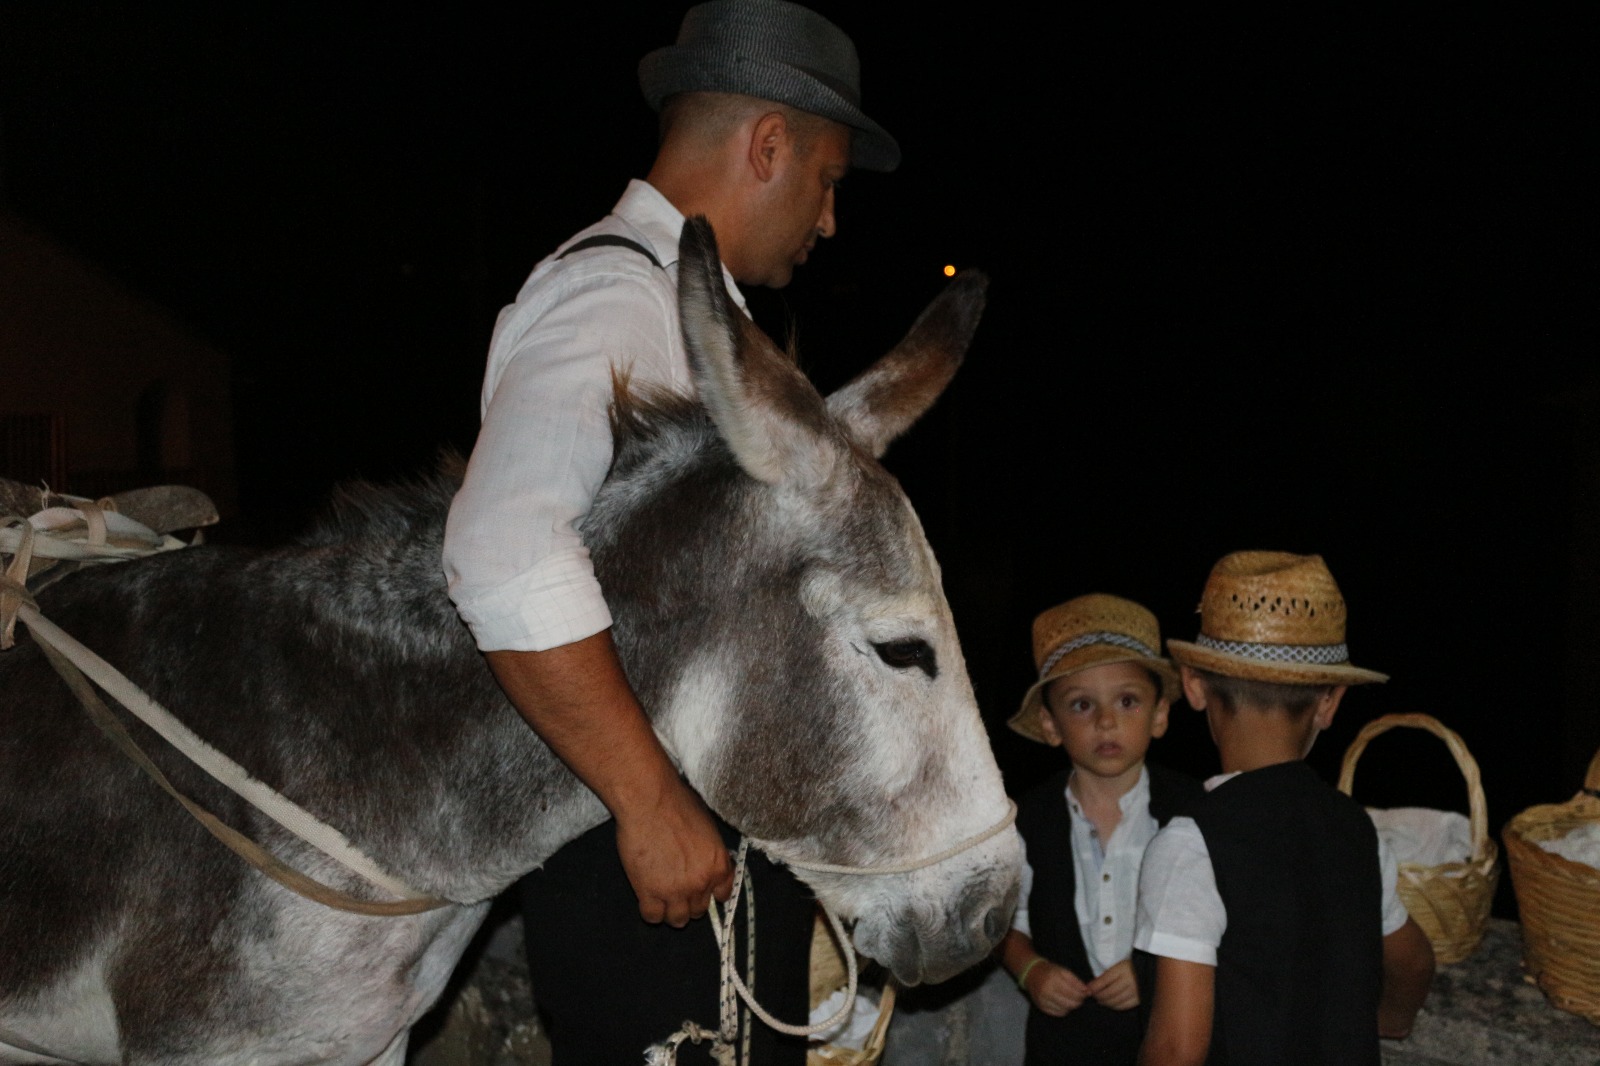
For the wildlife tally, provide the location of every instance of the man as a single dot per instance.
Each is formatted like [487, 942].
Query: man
[760, 118]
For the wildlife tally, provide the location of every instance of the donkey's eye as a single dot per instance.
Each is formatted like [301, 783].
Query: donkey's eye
[904, 654]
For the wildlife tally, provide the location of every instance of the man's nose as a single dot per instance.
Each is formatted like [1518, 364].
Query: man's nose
[826, 225]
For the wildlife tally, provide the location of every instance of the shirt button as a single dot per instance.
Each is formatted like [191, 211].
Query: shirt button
[1108, 919]
[1105, 877]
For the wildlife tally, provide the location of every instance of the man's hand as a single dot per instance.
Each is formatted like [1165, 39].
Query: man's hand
[1116, 988]
[577, 698]
[1056, 990]
[674, 857]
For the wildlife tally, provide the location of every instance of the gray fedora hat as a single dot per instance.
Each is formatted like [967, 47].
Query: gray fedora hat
[776, 51]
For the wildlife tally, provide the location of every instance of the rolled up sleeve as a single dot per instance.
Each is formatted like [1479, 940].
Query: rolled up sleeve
[517, 568]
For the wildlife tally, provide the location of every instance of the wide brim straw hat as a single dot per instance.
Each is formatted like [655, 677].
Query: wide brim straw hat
[775, 51]
[1276, 617]
[1088, 631]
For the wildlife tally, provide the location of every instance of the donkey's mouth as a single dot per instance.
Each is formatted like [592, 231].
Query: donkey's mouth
[916, 951]
[901, 955]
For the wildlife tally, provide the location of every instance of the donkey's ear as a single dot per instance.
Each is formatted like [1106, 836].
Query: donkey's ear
[885, 399]
[768, 412]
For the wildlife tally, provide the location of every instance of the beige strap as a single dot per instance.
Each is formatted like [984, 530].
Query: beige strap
[72, 660]
[96, 541]
[14, 582]
[79, 535]
[951, 852]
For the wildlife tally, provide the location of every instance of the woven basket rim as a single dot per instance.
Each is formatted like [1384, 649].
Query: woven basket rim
[1479, 865]
[1523, 848]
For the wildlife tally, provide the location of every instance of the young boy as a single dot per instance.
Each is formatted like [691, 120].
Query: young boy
[1103, 694]
[1272, 912]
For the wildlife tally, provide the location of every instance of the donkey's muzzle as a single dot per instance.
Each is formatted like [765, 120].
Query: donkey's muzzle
[951, 920]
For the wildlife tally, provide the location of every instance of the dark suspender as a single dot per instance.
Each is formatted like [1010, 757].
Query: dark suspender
[600, 240]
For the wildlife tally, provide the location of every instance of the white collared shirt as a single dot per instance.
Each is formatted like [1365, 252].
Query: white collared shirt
[1181, 915]
[517, 569]
[1107, 875]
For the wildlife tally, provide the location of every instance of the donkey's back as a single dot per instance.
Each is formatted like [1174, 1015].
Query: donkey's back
[337, 673]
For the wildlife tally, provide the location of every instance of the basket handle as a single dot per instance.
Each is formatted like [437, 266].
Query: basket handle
[1478, 808]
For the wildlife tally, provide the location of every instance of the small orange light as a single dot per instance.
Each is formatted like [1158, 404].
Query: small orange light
[949, 271]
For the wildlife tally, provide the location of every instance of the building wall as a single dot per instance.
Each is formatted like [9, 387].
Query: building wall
[134, 398]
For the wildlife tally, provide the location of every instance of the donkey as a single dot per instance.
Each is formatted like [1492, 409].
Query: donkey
[777, 608]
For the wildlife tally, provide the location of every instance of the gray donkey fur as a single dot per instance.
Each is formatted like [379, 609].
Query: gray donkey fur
[777, 609]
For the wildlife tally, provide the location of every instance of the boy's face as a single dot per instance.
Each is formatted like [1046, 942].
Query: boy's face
[1105, 717]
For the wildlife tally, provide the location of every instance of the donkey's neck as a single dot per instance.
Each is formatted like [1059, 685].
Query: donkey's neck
[459, 796]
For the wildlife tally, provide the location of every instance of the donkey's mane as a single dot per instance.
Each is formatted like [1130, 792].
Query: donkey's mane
[364, 511]
[645, 423]
[648, 422]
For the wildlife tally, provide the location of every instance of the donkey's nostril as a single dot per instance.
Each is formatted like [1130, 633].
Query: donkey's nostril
[994, 924]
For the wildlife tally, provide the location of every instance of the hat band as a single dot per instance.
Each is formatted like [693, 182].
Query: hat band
[838, 85]
[1121, 640]
[1307, 654]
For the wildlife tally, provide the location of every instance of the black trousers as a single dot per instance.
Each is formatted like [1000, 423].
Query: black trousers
[1092, 1034]
[608, 984]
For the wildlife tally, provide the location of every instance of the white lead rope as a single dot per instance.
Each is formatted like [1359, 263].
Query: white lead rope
[666, 1052]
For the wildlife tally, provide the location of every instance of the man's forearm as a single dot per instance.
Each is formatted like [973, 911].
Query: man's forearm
[577, 698]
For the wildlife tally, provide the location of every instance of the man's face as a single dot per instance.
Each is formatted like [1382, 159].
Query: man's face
[797, 209]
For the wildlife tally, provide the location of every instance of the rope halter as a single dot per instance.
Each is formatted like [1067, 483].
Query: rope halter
[734, 987]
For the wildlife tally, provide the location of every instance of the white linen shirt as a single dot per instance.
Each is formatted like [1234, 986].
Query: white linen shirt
[1107, 875]
[1181, 915]
[516, 567]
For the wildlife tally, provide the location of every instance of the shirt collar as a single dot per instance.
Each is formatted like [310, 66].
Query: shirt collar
[1136, 798]
[654, 218]
[1213, 782]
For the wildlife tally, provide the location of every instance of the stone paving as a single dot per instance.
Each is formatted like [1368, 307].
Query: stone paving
[1481, 1012]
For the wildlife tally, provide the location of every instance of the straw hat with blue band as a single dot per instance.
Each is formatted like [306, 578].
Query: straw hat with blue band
[773, 50]
[1276, 617]
[1090, 630]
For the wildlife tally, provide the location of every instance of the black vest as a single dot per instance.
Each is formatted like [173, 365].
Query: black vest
[1300, 967]
[1092, 1033]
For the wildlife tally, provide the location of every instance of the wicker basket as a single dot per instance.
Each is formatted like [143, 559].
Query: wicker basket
[870, 1052]
[827, 975]
[1449, 901]
[1559, 900]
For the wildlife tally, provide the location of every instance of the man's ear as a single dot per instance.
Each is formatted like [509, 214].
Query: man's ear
[769, 140]
[1194, 690]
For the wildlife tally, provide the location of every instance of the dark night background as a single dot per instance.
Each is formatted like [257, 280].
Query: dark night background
[1320, 283]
